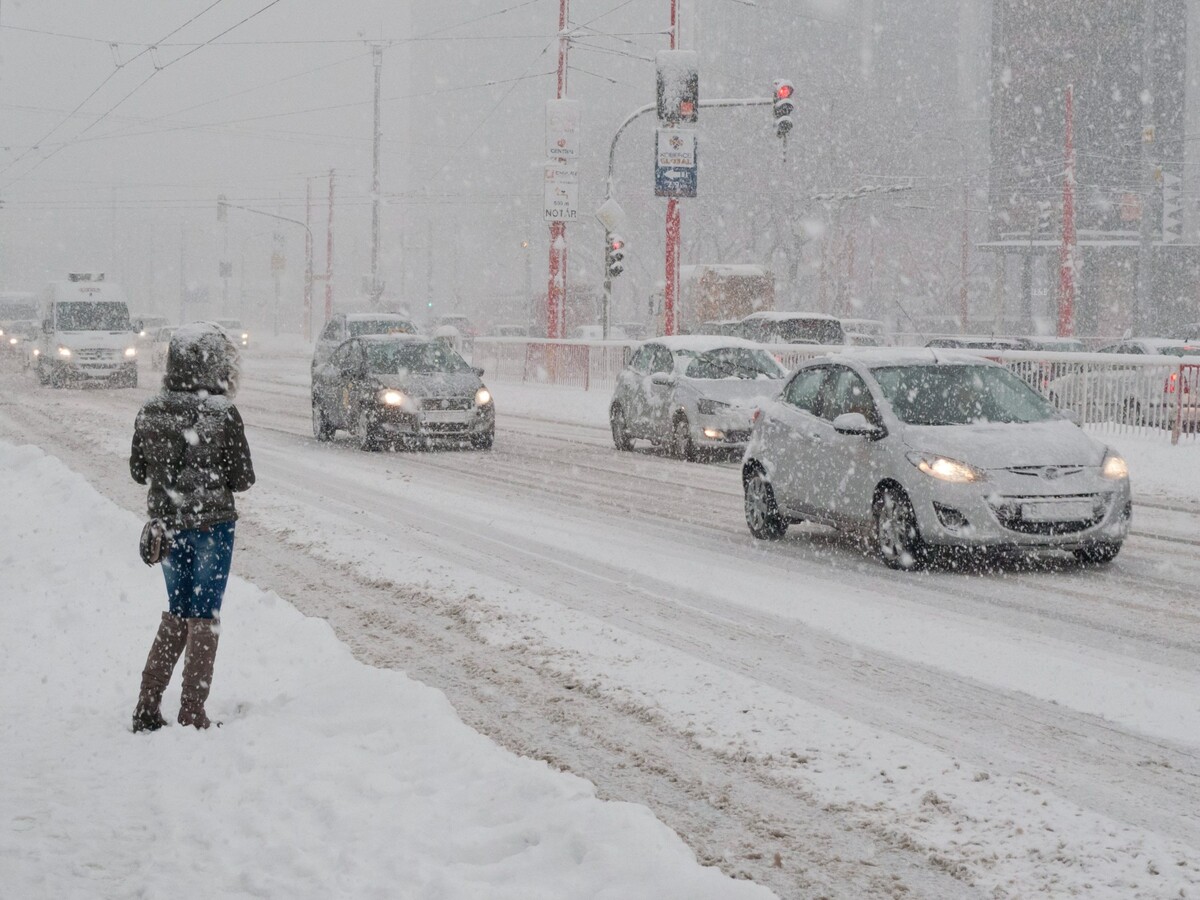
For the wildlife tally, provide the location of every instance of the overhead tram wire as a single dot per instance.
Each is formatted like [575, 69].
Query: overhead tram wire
[98, 87]
[146, 80]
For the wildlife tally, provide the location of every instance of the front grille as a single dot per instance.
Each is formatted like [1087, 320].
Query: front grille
[445, 427]
[446, 403]
[1009, 513]
[90, 354]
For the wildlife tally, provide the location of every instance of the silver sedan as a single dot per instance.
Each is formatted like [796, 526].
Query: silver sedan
[692, 394]
[929, 450]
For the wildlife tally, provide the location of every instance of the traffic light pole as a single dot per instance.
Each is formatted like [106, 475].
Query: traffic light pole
[673, 223]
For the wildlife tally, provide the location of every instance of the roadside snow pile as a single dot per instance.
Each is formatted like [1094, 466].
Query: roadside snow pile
[329, 778]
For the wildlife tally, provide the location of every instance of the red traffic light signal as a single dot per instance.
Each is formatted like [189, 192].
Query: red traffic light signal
[617, 244]
[783, 107]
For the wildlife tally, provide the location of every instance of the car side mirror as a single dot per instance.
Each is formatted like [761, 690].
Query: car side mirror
[856, 424]
[478, 370]
[663, 378]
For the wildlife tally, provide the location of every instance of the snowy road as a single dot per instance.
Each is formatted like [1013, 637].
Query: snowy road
[795, 711]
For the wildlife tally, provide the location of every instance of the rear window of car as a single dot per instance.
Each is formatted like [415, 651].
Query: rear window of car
[380, 326]
[960, 395]
[802, 331]
[730, 362]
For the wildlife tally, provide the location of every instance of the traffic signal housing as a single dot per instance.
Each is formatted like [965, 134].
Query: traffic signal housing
[784, 107]
[614, 254]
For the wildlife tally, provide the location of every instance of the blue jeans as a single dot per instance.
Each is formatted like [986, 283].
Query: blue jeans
[197, 569]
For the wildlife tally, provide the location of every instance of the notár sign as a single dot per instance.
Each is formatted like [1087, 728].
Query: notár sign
[561, 194]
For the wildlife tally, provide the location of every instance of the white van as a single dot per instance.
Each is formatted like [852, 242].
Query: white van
[86, 337]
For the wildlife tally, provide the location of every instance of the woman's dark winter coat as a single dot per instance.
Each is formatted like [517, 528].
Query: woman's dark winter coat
[189, 443]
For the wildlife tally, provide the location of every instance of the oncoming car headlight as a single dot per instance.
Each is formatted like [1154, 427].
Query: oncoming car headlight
[130, 352]
[64, 352]
[1114, 467]
[483, 397]
[944, 469]
[392, 398]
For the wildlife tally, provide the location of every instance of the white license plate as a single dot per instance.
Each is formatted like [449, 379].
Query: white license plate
[443, 416]
[1057, 511]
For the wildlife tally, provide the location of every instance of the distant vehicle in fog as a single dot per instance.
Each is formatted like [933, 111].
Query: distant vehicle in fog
[865, 332]
[793, 328]
[160, 343]
[233, 328]
[343, 326]
[86, 335]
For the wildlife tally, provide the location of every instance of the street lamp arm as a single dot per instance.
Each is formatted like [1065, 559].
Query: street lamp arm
[259, 212]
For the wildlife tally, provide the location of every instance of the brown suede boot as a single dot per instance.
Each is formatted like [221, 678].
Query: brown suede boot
[164, 653]
[202, 638]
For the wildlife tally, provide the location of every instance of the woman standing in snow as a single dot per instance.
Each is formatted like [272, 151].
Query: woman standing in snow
[189, 445]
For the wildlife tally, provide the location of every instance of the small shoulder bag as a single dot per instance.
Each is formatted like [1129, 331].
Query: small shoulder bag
[155, 542]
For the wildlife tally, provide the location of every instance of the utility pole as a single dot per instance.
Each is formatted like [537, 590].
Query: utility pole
[670, 292]
[376, 287]
[182, 274]
[308, 259]
[556, 291]
[1141, 310]
[1066, 252]
[329, 256]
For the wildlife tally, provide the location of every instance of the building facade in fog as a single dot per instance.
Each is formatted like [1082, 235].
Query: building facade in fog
[1130, 162]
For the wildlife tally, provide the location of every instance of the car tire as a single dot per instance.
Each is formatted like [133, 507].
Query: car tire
[322, 430]
[365, 432]
[1098, 554]
[897, 537]
[762, 512]
[620, 428]
[42, 377]
[682, 444]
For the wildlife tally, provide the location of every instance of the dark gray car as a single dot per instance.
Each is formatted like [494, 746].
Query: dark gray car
[401, 389]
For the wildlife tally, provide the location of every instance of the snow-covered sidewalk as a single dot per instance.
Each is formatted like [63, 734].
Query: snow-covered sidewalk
[329, 778]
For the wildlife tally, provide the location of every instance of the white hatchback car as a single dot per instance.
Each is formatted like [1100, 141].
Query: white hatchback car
[931, 449]
[691, 393]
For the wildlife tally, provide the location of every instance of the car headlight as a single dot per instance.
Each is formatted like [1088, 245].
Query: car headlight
[483, 397]
[392, 398]
[245, 336]
[130, 352]
[1114, 467]
[10, 340]
[707, 407]
[945, 469]
[64, 352]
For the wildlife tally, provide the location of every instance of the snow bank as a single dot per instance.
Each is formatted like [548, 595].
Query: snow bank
[329, 778]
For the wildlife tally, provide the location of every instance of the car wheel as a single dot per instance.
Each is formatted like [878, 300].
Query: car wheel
[365, 432]
[42, 377]
[896, 534]
[322, 430]
[681, 443]
[1098, 554]
[484, 441]
[1131, 413]
[620, 428]
[762, 513]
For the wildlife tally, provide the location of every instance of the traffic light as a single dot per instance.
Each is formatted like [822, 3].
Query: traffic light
[614, 255]
[784, 107]
[678, 89]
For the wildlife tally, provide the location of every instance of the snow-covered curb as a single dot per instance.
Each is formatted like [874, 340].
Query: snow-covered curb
[329, 778]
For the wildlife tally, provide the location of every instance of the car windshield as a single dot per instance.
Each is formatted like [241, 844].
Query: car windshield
[380, 326]
[729, 362]
[423, 358]
[801, 331]
[81, 316]
[960, 395]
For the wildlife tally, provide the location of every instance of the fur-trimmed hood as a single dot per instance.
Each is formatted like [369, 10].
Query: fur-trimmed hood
[201, 358]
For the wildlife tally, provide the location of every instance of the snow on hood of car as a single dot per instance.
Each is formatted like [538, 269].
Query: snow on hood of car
[738, 391]
[995, 445]
[433, 384]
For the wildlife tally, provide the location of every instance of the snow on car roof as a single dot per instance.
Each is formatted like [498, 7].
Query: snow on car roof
[702, 343]
[777, 316]
[375, 317]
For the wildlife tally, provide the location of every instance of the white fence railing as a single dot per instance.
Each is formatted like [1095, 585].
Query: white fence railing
[1107, 392]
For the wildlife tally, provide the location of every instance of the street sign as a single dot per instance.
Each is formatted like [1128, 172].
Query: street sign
[561, 193]
[562, 129]
[610, 214]
[675, 162]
